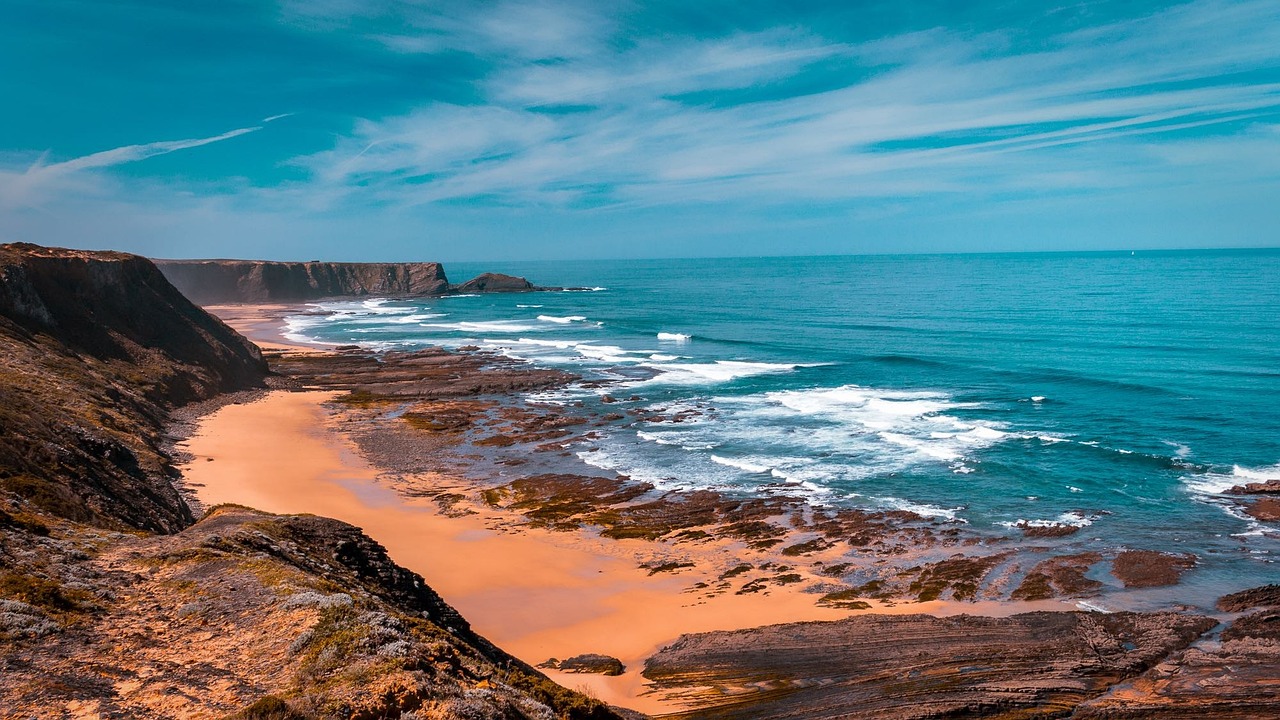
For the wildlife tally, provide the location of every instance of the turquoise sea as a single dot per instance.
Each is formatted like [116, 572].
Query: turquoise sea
[1119, 392]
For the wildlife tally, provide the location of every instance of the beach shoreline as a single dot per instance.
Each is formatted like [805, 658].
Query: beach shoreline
[538, 592]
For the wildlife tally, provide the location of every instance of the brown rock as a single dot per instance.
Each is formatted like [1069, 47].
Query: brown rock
[1148, 568]
[587, 663]
[494, 282]
[916, 666]
[1265, 596]
[1266, 509]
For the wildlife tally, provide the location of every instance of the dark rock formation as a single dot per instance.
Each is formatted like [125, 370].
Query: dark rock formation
[1265, 596]
[495, 282]
[917, 666]
[1148, 568]
[223, 281]
[1236, 675]
[587, 663]
[95, 349]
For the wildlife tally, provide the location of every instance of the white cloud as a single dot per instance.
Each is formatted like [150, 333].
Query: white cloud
[940, 113]
[42, 180]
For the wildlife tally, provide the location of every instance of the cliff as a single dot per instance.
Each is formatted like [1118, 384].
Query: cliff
[95, 348]
[217, 281]
[115, 602]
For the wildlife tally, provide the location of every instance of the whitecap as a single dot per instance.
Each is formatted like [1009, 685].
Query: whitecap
[743, 465]
[562, 320]
[528, 306]
[715, 372]
[481, 326]
[921, 509]
[674, 337]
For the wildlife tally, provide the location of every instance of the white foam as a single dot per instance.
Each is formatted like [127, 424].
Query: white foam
[656, 438]
[482, 326]
[710, 373]
[1213, 483]
[562, 320]
[1072, 519]
[1037, 398]
[528, 306]
[921, 509]
[674, 337]
[743, 465]
[663, 358]
[1091, 607]
[1262, 474]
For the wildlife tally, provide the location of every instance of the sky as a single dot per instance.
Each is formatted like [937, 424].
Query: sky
[554, 129]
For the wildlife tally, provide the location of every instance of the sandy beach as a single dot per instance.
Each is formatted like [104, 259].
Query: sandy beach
[536, 592]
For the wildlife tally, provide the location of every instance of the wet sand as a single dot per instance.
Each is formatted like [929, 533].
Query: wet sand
[263, 325]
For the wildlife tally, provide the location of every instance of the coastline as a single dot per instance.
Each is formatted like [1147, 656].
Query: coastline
[539, 593]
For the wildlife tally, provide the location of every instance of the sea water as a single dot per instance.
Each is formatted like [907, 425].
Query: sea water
[1119, 392]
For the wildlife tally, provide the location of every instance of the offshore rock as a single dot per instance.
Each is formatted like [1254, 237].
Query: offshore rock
[495, 282]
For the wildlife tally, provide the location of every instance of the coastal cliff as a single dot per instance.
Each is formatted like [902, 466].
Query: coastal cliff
[215, 281]
[95, 348]
[116, 602]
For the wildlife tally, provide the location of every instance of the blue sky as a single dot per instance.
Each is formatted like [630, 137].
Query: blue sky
[545, 129]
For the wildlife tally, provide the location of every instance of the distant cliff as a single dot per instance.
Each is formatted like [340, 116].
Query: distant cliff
[214, 281]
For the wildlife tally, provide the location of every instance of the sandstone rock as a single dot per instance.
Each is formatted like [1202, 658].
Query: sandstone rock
[1266, 509]
[916, 666]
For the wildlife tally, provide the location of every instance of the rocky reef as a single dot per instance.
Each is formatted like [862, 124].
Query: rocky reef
[211, 282]
[116, 602]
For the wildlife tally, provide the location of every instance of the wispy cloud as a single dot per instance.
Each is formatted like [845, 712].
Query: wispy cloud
[666, 119]
[42, 180]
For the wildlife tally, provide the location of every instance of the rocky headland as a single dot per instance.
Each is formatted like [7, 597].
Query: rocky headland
[210, 282]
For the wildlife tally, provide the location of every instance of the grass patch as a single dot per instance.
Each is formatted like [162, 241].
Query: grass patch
[51, 497]
[42, 593]
[269, 708]
[844, 600]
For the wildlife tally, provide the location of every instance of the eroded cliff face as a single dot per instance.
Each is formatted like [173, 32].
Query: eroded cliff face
[95, 348]
[219, 281]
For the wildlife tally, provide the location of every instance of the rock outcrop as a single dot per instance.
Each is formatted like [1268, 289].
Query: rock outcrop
[495, 282]
[221, 281]
[917, 666]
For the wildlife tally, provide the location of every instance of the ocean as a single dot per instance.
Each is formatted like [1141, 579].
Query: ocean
[1119, 392]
